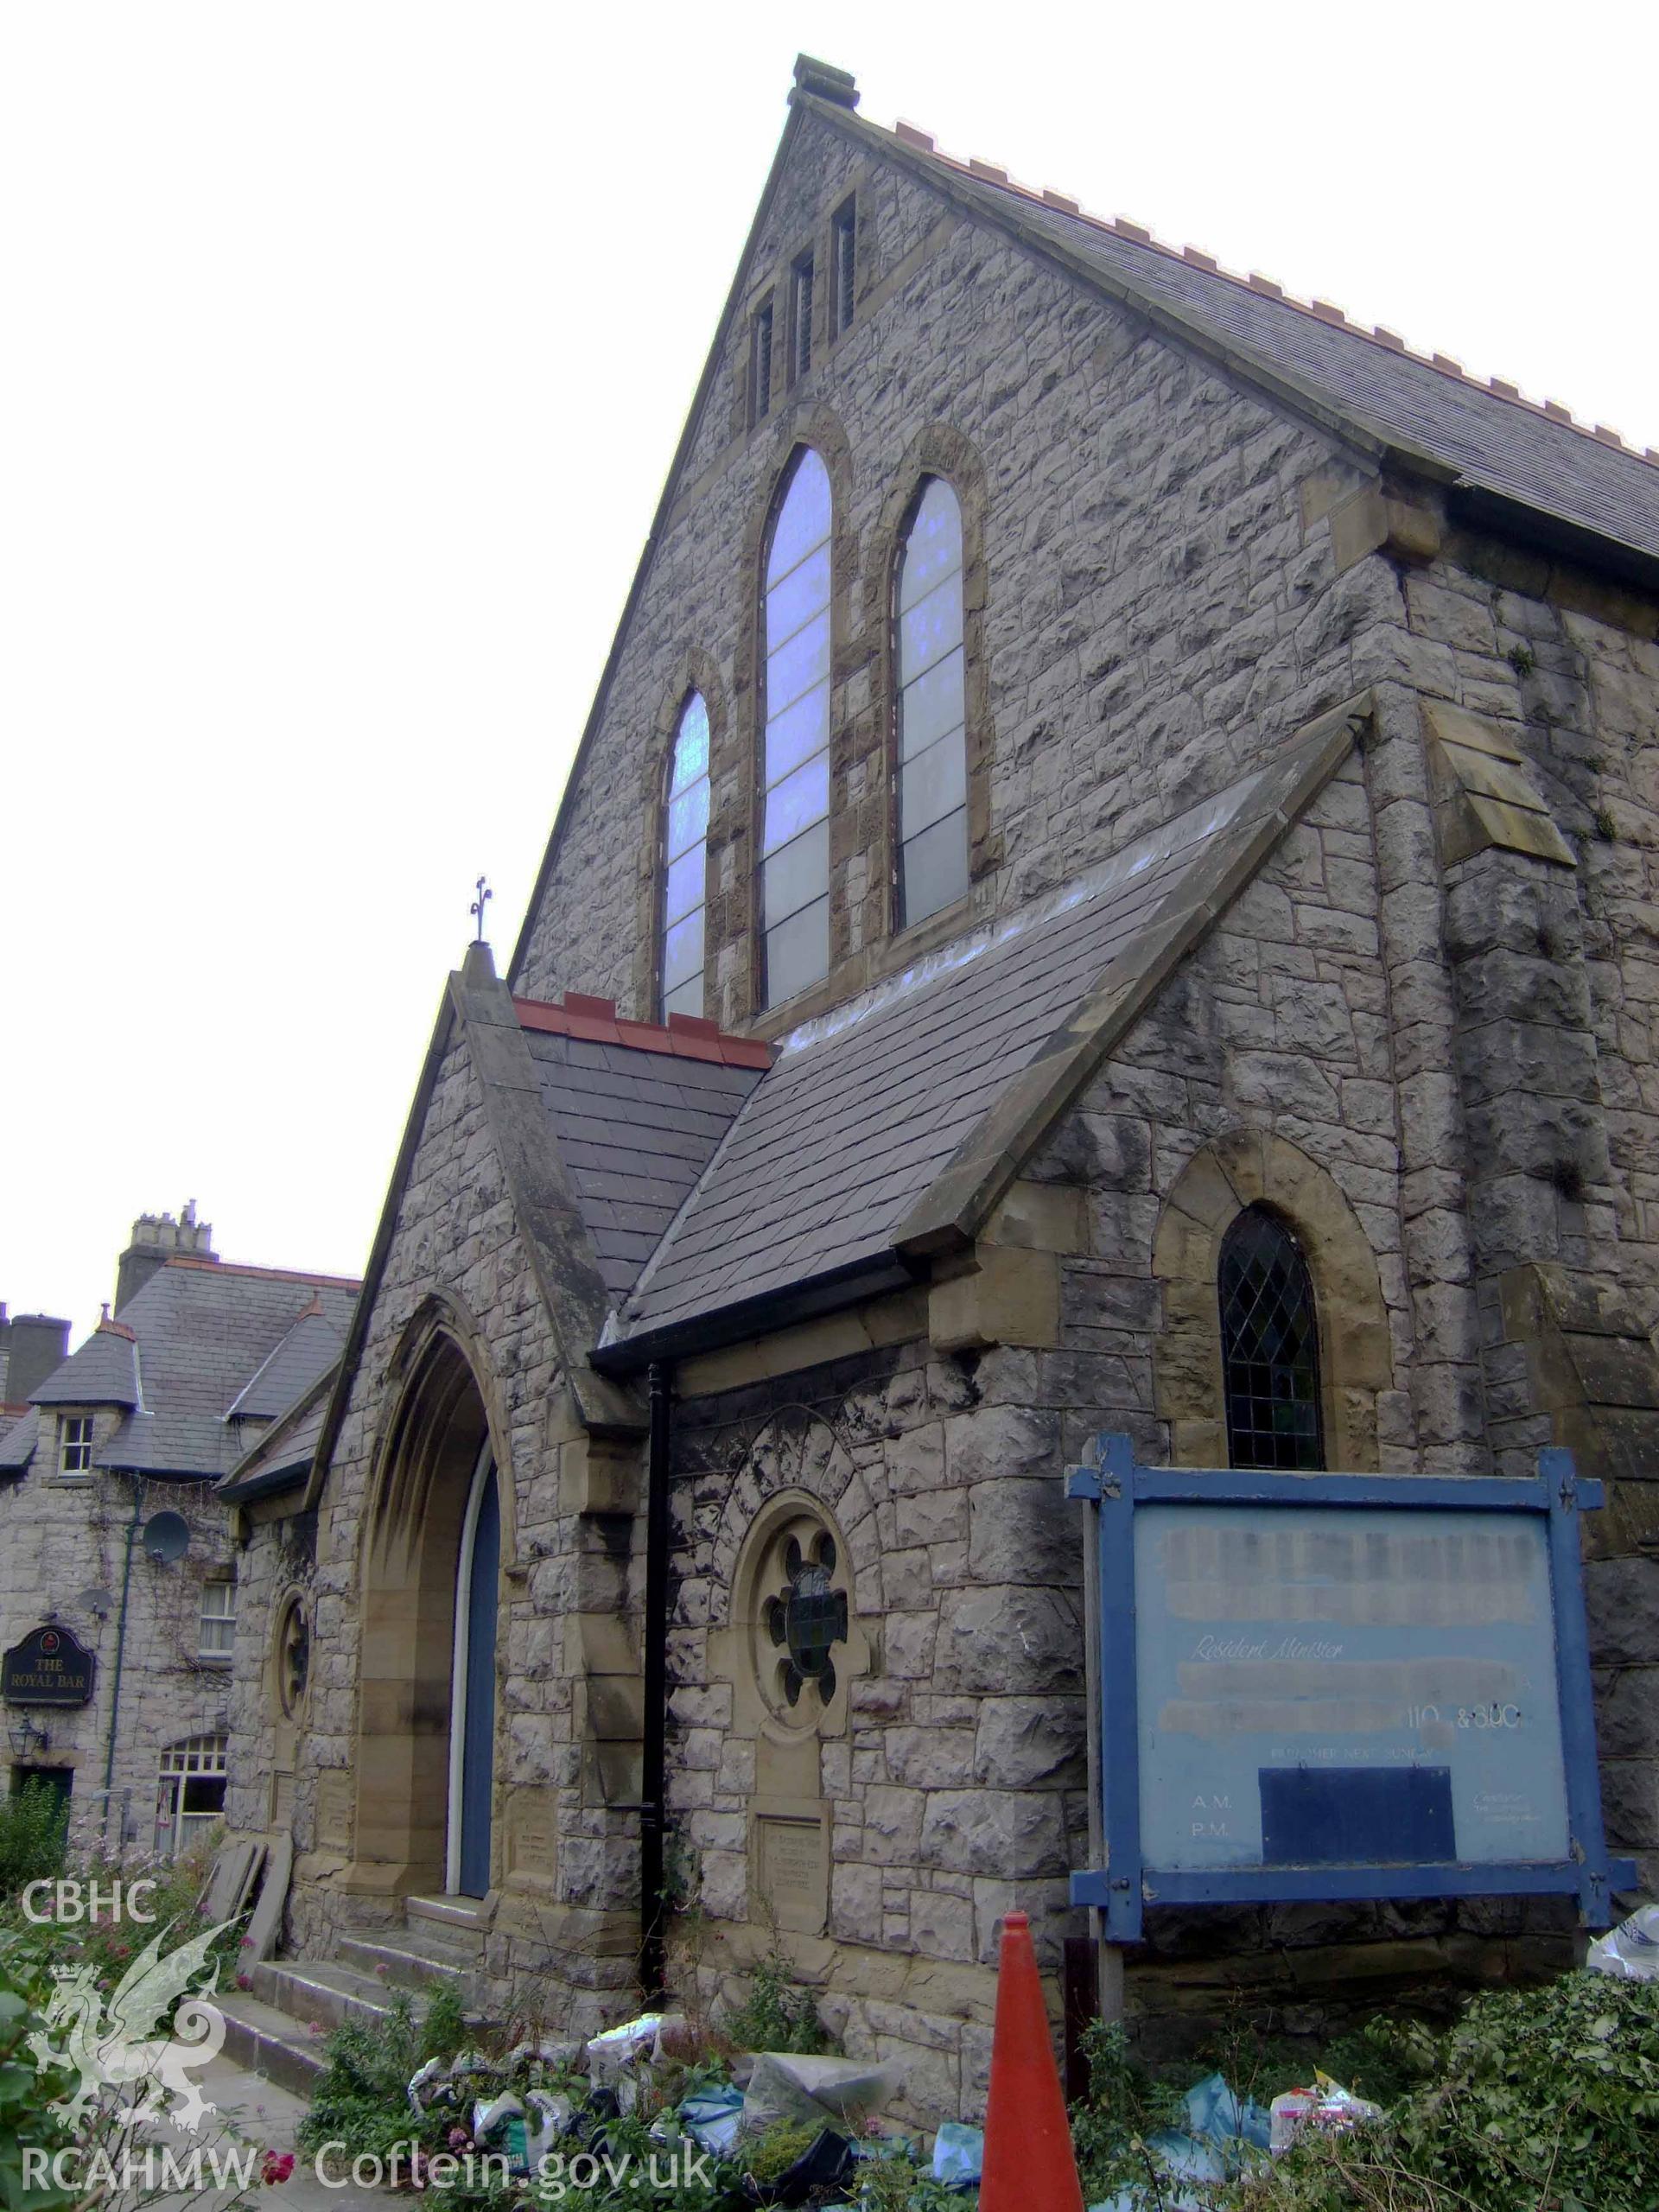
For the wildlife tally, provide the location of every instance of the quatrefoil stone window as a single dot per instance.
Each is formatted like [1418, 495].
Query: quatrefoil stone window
[807, 1619]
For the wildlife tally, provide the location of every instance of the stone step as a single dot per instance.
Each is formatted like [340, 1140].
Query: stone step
[270, 2043]
[411, 1960]
[327, 1996]
[460, 1921]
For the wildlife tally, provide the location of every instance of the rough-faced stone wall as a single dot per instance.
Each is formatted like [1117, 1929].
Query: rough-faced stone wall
[1160, 602]
[564, 1861]
[60, 1542]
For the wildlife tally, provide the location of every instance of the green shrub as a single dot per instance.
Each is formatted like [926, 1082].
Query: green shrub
[1545, 2099]
[362, 2096]
[25, 2091]
[33, 1831]
[776, 2014]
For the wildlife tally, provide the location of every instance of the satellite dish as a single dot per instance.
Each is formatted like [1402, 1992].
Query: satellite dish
[166, 1538]
[97, 1602]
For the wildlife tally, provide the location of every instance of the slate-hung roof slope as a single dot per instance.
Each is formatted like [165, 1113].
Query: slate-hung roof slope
[104, 1371]
[284, 1453]
[201, 1337]
[892, 1125]
[1477, 439]
[635, 1124]
[308, 1349]
[18, 1443]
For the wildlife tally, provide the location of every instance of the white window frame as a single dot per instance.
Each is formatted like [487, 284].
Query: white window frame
[217, 1620]
[196, 1759]
[76, 1436]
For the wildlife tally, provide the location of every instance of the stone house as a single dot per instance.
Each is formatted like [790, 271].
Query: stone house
[1109, 883]
[115, 1560]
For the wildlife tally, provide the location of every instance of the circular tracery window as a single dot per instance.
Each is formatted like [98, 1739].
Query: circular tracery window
[293, 1656]
[801, 1617]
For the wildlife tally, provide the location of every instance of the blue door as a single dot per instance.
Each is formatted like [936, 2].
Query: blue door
[477, 1716]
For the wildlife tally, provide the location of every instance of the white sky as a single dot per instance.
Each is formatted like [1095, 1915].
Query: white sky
[346, 343]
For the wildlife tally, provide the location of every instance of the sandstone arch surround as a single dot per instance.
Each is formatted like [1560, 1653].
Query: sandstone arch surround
[795, 1470]
[735, 924]
[942, 451]
[1254, 1168]
[694, 671]
[448, 1402]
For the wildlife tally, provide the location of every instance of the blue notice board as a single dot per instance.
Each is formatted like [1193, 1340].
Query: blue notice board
[1328, 1687]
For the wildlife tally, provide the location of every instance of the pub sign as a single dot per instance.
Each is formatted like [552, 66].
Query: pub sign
[49, 1667]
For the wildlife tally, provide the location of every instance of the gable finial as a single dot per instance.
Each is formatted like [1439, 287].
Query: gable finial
[485, 895]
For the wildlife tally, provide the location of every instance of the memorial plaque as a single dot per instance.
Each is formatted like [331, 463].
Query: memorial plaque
[790, 1868]
[49, 1667]
[1377, 1687]
[532, 1835]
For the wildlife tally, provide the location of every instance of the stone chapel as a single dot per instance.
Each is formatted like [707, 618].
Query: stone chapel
[1110, 884]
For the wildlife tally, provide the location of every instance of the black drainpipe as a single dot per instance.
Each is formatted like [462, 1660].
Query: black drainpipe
[653, 1784]
[120, 1654]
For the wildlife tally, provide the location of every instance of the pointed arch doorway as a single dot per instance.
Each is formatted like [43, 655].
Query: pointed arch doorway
[434, 1546]
[472, 1692]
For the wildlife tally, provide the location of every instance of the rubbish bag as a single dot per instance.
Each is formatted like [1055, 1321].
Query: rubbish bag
[618, 2060]
[500, 2127]
[958, 2155]
[426, 2083]
[713, 2116]
[1220, 2134]
[786, 2087]
[1630, 1951]
[548, 2115]
[827, 2160]
[1327, 2107]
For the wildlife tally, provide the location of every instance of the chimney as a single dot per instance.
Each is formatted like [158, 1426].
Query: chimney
[156, 1238]
[31, 1345]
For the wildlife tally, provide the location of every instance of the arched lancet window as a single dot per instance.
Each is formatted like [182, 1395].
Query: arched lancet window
[795, 754]
[686, 863]
[932, 773]
[1269, 1346]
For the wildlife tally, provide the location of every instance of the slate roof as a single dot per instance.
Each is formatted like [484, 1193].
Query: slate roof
[18, 1441]
[308, 1349]
[104, 1371]
[1487, 441]
[284, 1451]
[199, 1338]
[864, 1114]
[635, 1128]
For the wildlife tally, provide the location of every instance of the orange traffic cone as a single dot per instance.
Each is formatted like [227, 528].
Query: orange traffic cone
[1029, 2163]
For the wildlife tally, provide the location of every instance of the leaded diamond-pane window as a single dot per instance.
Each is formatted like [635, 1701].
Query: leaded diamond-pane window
[1269, 1347]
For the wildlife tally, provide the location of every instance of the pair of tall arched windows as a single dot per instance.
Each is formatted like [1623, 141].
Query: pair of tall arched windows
[930, 754]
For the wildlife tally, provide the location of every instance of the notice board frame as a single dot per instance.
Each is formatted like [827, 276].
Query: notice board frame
[1122, 1888]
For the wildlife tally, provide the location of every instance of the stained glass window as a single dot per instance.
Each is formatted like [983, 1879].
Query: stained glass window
[1271, 1346]
[808, 1621]
[932, 791]
[795, 824]
[686, 863]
